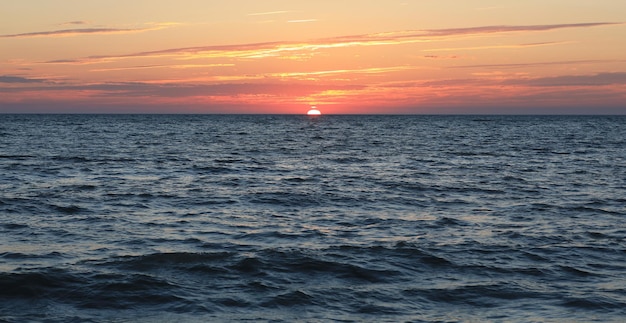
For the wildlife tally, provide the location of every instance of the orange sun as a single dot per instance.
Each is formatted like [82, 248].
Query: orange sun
[314, 111]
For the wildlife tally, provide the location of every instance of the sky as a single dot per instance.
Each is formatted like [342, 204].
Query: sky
[284, 56]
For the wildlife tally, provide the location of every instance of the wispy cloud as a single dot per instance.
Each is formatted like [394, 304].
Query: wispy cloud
[507, 28]
[440, 57]
[75, 22]
[536, 64]
[372, 70]
[228, 51]
[519, 81]
[18, 79]
[579, 81]
[268, 13]
[86, 31]
[74, 32]
[512, 46]
[179, 66]
[408, 35]
[174, 90]
[600, 79]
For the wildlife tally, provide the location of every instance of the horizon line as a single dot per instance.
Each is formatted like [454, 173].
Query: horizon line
[310, 116]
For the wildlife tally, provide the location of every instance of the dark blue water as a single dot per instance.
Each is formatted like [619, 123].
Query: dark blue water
[158, 218]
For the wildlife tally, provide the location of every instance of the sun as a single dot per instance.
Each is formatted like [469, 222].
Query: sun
[314, 111]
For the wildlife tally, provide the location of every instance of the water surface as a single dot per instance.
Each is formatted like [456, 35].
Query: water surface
[291, 218]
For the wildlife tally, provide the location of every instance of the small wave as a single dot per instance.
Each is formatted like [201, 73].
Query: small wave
[16, 157]
[228, 303]
[71, 209]
[248, 265]
[119, 292]
[341, 270]
[14, 226]
[408, 186]
[588, 209]
[405, 254]
[19, 255]
[475, 153]
[212, 169]
[81, 187]
[33, 285]
[447, 222]
[348, 160]
[274, 235]
[175, 259]
[92, 291]
[299, 179]
[72, 159]
[594, 303]
[510, 178]
[284, 199]
[295, 298]
[229, 160]
[483, 295]
[575, 271]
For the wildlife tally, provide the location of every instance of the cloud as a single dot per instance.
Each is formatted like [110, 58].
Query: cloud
[507, 28]
[268, 13]
[18, 79]
[172, 90]
[75, 22]
[273, 49]
[579, 81]
[371, 70]
[535, 64]
[398, 36]
[228, 51]
[513, 46]
[600, 79]
[86, 31]
[73, 32]
[179, 66]
[439, 57]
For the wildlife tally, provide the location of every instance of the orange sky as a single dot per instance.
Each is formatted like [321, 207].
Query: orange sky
[344, 56]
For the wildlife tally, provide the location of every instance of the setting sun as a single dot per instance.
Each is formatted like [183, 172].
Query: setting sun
[314, 112]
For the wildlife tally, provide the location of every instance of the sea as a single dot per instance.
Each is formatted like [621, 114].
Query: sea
[294, 218]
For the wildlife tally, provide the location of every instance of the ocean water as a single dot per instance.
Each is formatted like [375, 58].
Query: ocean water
[196, 218]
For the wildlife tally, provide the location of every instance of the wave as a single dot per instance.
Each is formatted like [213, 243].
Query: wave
[358, 279]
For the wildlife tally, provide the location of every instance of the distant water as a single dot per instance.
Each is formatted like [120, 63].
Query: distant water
[158, 218]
